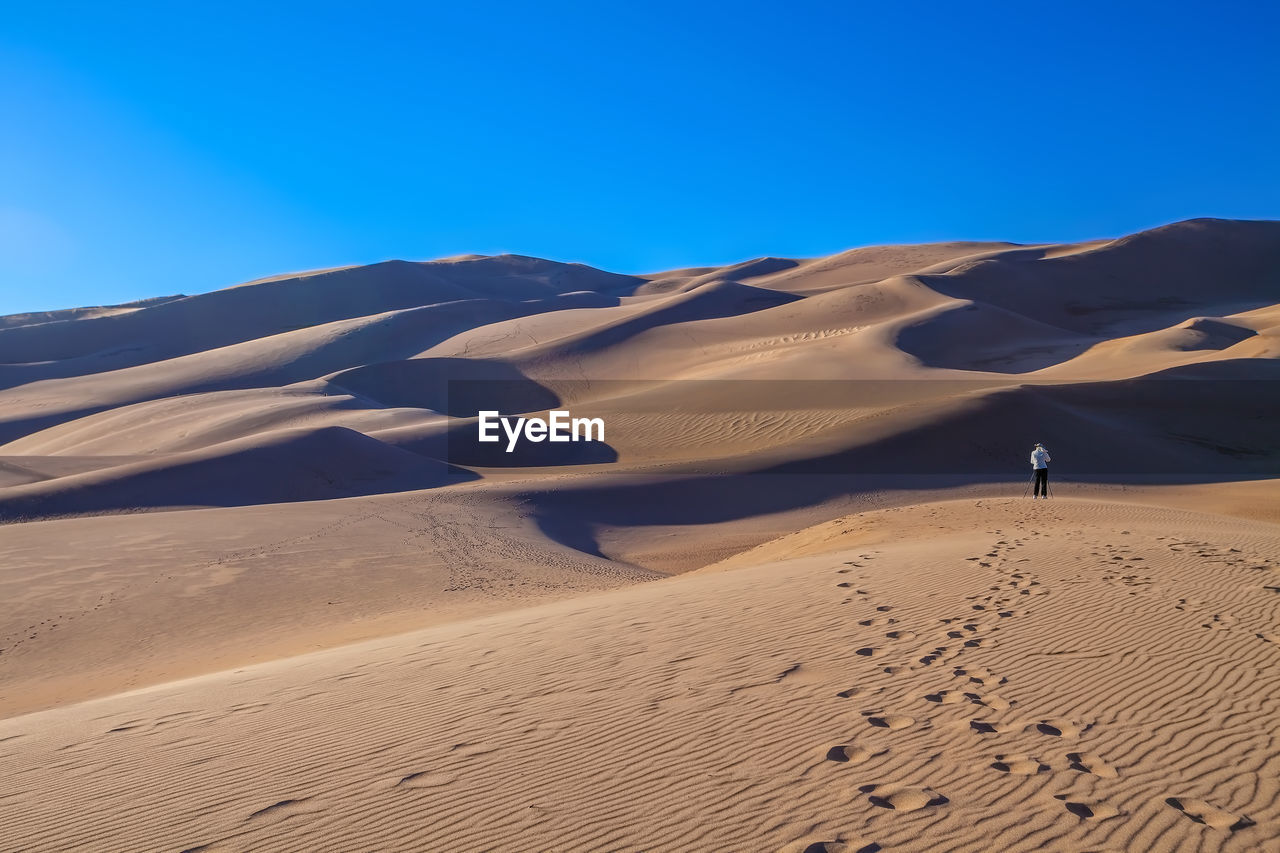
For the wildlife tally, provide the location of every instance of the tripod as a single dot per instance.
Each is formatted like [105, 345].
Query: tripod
[1048, 488]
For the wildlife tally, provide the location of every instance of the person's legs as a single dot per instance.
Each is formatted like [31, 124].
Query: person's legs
[1042, 483]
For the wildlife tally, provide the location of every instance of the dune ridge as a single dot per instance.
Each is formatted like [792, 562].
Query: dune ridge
[264, 591]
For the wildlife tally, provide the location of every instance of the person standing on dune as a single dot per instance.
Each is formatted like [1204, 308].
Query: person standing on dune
[1040, 466]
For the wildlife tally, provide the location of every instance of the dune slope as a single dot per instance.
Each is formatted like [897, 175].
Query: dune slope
[993, 679]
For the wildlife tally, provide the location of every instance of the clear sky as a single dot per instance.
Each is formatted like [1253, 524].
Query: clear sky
[154, 148]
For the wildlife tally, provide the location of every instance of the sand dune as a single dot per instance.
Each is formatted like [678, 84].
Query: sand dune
[274, 306]
[31, 319]
[995, 675]
[265, 591]
[289, 465]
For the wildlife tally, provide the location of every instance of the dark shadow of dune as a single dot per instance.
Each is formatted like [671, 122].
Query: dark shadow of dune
[396, 336]
[284, 467]
[463, 389]
[1214, 334]
[174, 328]
[989, 338]
[713, 300]
[458, 443]
[1214, 420]
[400, 333]
[1168, 428]
[458, 387]
[1059, 304]
[465, 448]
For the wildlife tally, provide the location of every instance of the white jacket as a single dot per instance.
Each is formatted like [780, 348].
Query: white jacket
[1040, 458]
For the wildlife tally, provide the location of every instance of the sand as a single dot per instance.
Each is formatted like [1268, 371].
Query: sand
[796, 601]
[1006, 675]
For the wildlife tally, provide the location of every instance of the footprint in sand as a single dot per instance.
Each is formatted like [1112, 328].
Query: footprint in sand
[1087, 762]
[987, 727]
[948, 697]
[426, 779]
[849, 753]
[979, 675]
[1088, 810]
[831, 847]
[903, 798]
[893, 722]
[282, 809]
[1019, 765]
[1057, 727]
[1209, 814]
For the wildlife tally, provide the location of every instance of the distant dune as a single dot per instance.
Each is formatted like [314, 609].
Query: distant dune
[265, 590]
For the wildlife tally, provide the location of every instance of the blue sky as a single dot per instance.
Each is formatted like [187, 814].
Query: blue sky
[149, 149]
